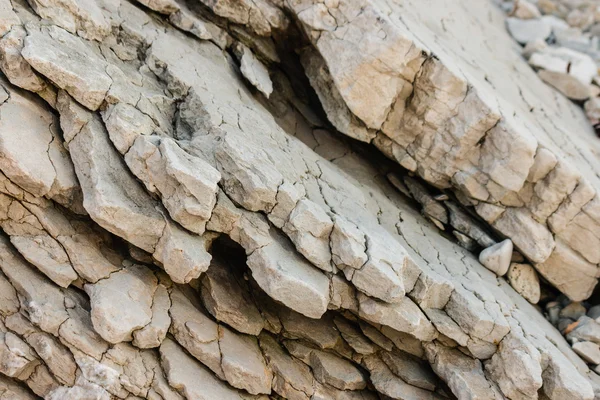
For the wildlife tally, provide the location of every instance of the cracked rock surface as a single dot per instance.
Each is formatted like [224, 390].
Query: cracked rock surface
[183, 215]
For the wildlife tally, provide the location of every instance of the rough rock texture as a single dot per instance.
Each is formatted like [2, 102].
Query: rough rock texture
[179, 219]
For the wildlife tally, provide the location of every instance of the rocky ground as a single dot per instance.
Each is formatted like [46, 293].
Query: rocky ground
[299, 199]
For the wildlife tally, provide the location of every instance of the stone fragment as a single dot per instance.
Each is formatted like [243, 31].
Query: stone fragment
[404, 316]
[594, 312]
[348, 244]
[586, 329]
[183, 255]
[431, 207]
[190, 377]
[122, 303]
[392, 386]
[566, 61]
[48, 256]
[410, 369]
[463, 374]
[243, 363]
[567, 84]
[592, 109]
[12, 63]
[309, 227]
[337, 111]
[530, 237]
[543, 163]
[354, 337]
[517, 366]
[524, 279]
[527, 30]
[291, 377]
[228, 300]
[111, 195]
[497, 257]
[524, 9]
[253, 70]
[187, 184]
[447, 326]
[249, 178]
[43, 301]
[582, 229]
[573, 310]
[288, 278]
[328, 368]
[465, 224]
[82, 17]
[569, 272]
[69, 63]
[197, 333]
[153, 334]
[588, 351]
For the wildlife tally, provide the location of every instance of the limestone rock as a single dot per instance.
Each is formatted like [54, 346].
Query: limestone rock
[292, 281]
[170, 232]
[588, 351]
[133, 285]
[497, 257]
[527, 30]
[525, 281]
[254, 70]
[70, 64]
[567, 84]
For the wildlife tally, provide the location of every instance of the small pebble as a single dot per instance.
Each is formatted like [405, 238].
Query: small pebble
[496, 258]
[573, 311]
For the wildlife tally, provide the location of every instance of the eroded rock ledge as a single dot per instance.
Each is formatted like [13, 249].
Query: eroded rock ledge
[180, 221]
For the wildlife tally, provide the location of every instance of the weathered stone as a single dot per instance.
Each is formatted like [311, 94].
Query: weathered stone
[122, 303]
[524, 279]
[309, 227]
[290, 280]
[524, 9]
[527, 30]
[567, 84]
[404, 316]
[291, 378]
[565, 61]
[569, 272]
[497, 257]
[69, 63]
[228, 300]
[410, 370]
[254, 70]
[186, 374]
[588, 351]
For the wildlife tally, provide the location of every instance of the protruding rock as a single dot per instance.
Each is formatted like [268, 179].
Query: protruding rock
[122, 303]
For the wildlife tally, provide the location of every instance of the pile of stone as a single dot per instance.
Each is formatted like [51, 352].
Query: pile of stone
[561, 40]
[182, 218]
[580, 323]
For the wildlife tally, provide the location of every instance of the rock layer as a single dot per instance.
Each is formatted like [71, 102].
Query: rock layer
[180, 222]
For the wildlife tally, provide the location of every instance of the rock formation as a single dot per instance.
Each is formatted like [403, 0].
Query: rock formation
[287, 199]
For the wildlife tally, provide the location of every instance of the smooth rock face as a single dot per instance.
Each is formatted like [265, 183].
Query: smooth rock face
[179, 219]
